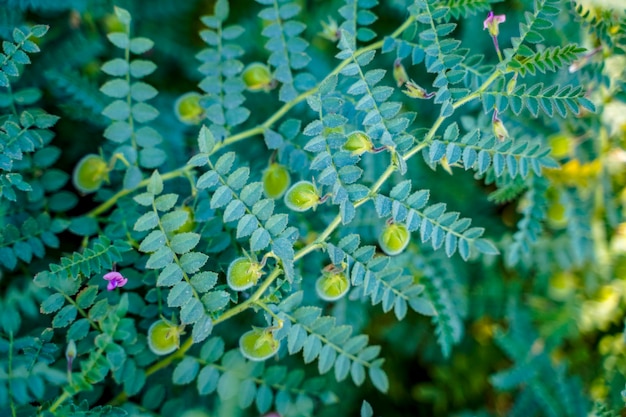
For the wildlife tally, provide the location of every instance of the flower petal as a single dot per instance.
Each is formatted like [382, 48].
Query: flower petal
[488, 20]
[112, 276]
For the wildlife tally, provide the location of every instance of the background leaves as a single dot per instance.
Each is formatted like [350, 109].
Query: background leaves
[507, 300]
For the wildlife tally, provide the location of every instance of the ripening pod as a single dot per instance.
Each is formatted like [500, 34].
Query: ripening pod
[188, 109]
[302, 196]
[330, 30]
[560, 146]
[394, 238]
[413, 90]
[358, 143]
[510, 86]
[113, 24]
[561, 285]
[556, 215]
[276, 180]
[257, 77]
[164, 337]
[332, 286]
[399, 73]
[243, 273]
[258, 344]
[190, 223]
[89, 173]
[499, 130]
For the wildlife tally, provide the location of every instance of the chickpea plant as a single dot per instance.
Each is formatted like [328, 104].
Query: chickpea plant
[230, 202]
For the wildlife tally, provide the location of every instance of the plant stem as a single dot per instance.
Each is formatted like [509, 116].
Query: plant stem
[253, 131]
[319, 242]
[65, 394]
[254, 299]
[180, 352]
[111, 201]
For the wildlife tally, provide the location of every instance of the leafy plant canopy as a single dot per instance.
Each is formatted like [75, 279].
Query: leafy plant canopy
[211, 208]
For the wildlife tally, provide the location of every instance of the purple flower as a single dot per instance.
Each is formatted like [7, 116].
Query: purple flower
[499, 130]
[115, 280]
[492, 21]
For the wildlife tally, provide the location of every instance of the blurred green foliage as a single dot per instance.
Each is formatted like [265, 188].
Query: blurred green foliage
[157, 139]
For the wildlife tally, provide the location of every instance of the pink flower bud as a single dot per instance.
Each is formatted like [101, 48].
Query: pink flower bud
[415, 91]
[499, 130]
[399, 73]
[492, 21]
[115, 280]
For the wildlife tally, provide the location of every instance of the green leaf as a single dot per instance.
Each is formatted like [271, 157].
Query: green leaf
[132, 177]
[119, 131]
[140, 45]
[184, 242]
[326, 359]
[119, 39]
[180, 294]
[155, 185]
[206, 141]
[366, 409]
[118, 110]
[228, 385]
[260, 239]
[84, 226]
[186, 371]
[216, 300]
[173, 220]
[165, 202]
[234, 211]
[53, 303]
[117, 67]
[222, 10]
[207, 380]
[18, 36]
[171, 275]
[78, 330]
[191, 312]
[247, 393]
[64, 317]
[139, 68]
[147, 137]
[87, 296]
[204, 281]
[202, 329]
[143, 112]
[379, 378]
[208, 180]
[141, 91]
[122, 15]
[160, 259]
[342, 367]
[147, 221]
[192, 262]
[485, 246]
[264, 398]
[225, 163]
[154, 241]
[39, 31]
[151, 157]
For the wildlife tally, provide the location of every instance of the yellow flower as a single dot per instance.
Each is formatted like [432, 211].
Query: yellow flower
[415, 91]
[492, 21]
